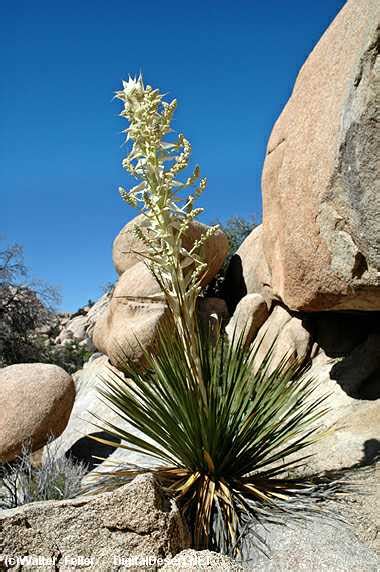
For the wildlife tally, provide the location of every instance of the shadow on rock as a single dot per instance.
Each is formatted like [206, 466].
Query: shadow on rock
[358, 374]
[85, 449]
[234, 286]
[371, 452]
[339, 333]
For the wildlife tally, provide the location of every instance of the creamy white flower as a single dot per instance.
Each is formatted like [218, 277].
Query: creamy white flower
[169, 213]
[133, 87]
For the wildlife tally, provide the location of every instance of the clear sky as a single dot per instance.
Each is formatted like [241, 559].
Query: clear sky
[230, 64]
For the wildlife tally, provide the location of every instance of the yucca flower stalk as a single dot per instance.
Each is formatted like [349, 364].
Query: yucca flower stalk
[178, 271]
[224, 436]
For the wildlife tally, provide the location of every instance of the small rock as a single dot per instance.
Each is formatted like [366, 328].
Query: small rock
[212, 309]
[286, 335]
[249, 316]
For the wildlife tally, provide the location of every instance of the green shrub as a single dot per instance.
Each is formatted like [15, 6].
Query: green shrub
[70, 356]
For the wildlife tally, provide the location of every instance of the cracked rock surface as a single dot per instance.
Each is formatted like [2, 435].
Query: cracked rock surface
[134, 520]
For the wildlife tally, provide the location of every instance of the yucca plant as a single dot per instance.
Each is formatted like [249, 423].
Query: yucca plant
[227, 464]
[222, 432]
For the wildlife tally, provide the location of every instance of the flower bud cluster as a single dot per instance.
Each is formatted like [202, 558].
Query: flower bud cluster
[157, 163]
[156, 158]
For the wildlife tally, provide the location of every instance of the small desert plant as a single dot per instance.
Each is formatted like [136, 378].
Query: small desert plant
[71, 356]
[236, 228]
[221, 431]
[56, 478]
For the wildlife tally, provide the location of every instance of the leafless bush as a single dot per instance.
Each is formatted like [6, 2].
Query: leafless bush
[25, 305]
[57, 478]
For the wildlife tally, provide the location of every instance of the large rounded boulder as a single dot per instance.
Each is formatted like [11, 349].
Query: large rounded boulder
[128, 326]
[36, 402]
[320, 182]
[127, 248]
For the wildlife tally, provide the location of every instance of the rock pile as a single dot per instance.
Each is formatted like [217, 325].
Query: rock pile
[307, 279]
[137, 306]
[73, 332]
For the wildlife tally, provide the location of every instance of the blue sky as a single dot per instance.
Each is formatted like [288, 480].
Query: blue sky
[230, 64]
